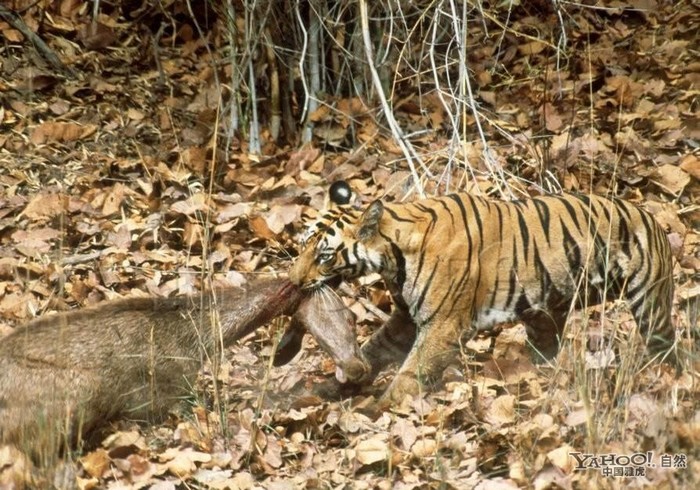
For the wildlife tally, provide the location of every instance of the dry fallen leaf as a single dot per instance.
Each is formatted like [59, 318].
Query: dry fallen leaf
[96, 462]
[232, 211]
[691, 165]
[273, 452]
[424, 448]
[406, 433]
[501, 411]
[183, 462]
[258, 225]
[45, 205]
[181, 466]
[122, 439]
[671, 178]
[195, 203]
[560, 458]
[61, 132]
[280, 216]
[352, 422]
[576, 417]
[552, 119]
[95, 35]
[371, 451]
[531, 48]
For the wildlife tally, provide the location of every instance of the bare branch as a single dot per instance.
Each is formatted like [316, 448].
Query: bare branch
[406, 147]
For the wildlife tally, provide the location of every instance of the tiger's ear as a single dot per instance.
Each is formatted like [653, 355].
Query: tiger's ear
[369, 221]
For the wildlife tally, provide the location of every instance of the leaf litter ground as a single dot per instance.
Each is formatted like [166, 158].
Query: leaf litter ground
[109, 190]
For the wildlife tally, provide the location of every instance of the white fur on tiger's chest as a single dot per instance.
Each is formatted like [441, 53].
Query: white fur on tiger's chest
[489, 317]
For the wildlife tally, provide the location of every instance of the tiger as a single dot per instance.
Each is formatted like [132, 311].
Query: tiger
[461, 263]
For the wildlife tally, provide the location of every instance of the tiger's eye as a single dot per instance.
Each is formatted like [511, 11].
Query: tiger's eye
[325, 258]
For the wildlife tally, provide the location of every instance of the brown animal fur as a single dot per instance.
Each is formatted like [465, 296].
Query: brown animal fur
[63, 376]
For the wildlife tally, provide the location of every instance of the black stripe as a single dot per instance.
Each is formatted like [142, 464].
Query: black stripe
[400, 265]
[476, 288]
[396, 217]
[599, 255]
[513, 277]
[570, 209]
[399, 302]
[624, 236]
[421, 260]
[571, 249]
[436, 310]
[355, 252]
[500, 216]
[463, 211]
[524, 234]
[447, 209]
[646, 267]
[546, 284]
[429, 229]
[424, 243]
[581, 197]
[624, 208]
[426, 287]
[606, 211]
[477, 217]
[499, 213]
[492, 302]
[462, 283]
[345, 254]
[422, 207]
[647, 226]
[542, 209]
[470, 243]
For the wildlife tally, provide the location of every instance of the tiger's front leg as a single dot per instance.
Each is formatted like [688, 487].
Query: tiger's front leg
[391, 343]
[435, 348]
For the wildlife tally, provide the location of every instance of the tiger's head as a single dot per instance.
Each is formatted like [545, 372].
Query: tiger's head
[342, 242]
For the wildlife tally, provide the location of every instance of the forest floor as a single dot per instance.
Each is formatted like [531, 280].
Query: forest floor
[110, 187]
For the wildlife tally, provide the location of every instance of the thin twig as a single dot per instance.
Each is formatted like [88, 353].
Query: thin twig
[308, 99]
[16, 21]
[275, 108]
[155, 40]
[88, 257]
[396, 131]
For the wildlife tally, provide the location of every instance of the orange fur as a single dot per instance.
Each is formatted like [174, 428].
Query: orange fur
[461, 263]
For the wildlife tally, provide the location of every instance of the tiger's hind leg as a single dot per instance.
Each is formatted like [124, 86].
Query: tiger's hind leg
[544, 331]
[651, 309]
